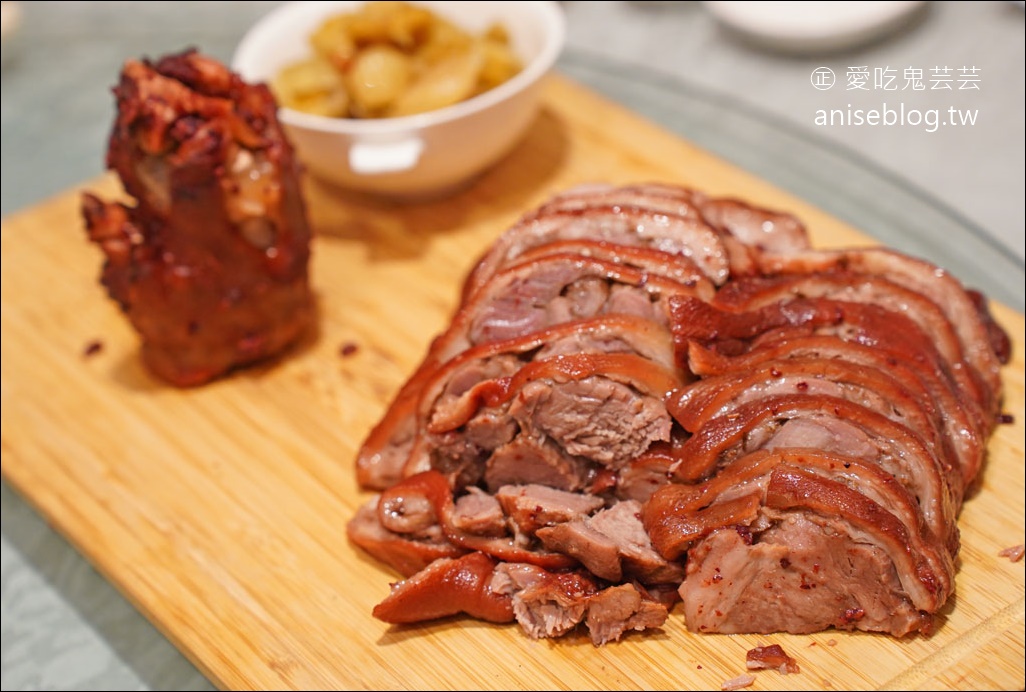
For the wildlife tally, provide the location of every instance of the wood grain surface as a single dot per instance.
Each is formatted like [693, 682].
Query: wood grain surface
[220, 511]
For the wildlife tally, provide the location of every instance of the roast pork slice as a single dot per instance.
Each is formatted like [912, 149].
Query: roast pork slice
[962, 424]
[520, 300]
[805, 575]
[873, 388]
[602, 409]
[446, 587]
[986, 346]
[613, 545]
[548, 604]
[763, 521]
[765, 230]
[755, 292]
[647, 259]
[832, 425]
[746, 229]
[616, 610]
[678, 515]
[532, 506]
[477, 512]
[405, 553]
[557, 288]
[386, 451]
[674, 199]
[892, 334]
[648, 472]
[769, 230]
[429, 492]
[684, 234]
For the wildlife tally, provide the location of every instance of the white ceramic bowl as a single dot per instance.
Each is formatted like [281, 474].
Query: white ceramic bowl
[415, 156]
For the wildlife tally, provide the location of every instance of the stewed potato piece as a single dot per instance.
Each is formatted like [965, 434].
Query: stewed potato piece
[390, 59]
[377, 76]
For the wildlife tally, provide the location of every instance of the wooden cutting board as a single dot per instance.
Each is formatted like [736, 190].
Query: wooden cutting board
[220, 512]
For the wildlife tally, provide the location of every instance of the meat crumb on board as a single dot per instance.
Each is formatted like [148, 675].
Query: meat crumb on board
[771, 657]
[92, 348]
[1013, 553]
[741, 681]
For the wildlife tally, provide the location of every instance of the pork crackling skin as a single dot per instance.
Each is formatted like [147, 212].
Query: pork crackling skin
[210, 262]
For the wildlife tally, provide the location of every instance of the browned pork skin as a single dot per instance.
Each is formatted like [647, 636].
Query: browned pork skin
[678, 515]
[655, 262]
[713, 396]
[210, 265]
[685, 234]
[407, 554]
[834, 425]
[545, 603]
[752, 293]
[804, 531]
[986, 346]
[891, 334]
[559, 421]
[520, 300]
[962, 429]
[651, 195]
[447, 586]
[429, 493]
[746, 230]
[394, 435]
[769, 231]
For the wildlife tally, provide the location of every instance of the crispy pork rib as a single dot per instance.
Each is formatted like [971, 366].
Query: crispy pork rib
[210, 262]
[650, 396]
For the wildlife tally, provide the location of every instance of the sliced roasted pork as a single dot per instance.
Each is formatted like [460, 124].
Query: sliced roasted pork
[904, 403]
[985, 346]
[753, 293]
[892, 334]
[685, 233]
[834, 425]
[520, 300]
[961, 427]
[801, 527]
[387, 451]
[613, 545]
[561, 421]
[650, 395]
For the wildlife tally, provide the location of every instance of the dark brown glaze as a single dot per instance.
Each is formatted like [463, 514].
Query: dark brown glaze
[210, 264]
